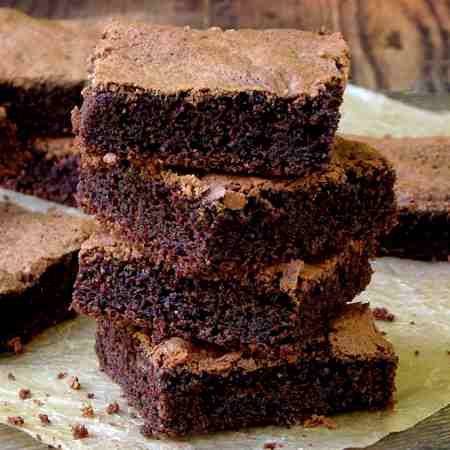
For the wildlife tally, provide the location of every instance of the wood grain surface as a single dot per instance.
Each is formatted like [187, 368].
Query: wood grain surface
[396, 45]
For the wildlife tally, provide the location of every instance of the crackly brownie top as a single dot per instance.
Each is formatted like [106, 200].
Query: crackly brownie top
[353, 337]
[423, 169]
[291, 277]
[167, 59]
[31, 242]
[37, 50]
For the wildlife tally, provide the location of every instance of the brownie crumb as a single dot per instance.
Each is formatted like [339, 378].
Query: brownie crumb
[87, 411]
[319, 421]
[11, 377]
[16, 345]
[24, 394]
[75, 383]
[383, 314]
[448, 352]
[79, 431]
[38, 402]
[44, 419]
[110, 159]
[16, 421]
[272, 445]
[416, 352]
[62, 375]
[113, 408]
[90, 395]
[412, 322]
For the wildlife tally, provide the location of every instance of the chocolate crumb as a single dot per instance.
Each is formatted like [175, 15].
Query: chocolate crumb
[273, 445]
[412, 322]
[16, 421]
[11, 377]
[113, 408]
[90, 395]
[62, 375]
[75, 383]
[79, 431]
[24, 394]
[448, 352]
[318, 421]
[110, 159]
[416, 352]
[87, 411]
[38, 402]
[383, 314]
[44, 419]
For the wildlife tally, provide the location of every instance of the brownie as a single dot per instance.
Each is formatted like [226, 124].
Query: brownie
[423, 196]
[183, 388]
[278, 304]
[43, 68]
[262, 102]
[214, 222]
[38, 266]
[49, 171]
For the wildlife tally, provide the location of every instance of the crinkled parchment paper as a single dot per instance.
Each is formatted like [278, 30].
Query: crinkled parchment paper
[417, 293]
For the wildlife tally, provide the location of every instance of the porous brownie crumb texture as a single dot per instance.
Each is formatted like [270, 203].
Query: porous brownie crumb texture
[277, 305]
[168, 382]
[49, 170]
[236, 106]
[212, 223]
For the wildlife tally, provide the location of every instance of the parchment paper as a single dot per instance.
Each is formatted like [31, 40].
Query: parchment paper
[417, 293]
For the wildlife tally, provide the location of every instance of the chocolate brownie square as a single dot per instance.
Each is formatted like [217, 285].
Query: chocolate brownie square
[423, 196]
[184, 388]
[260, 102]
[38, 266]
[209, 223]
[43, 68]
[49, 170]
[276, 305]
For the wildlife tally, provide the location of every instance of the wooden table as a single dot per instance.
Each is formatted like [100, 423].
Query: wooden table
[396, 45]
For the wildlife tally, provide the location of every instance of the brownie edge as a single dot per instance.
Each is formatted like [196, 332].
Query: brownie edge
[274, 306]
[38, 266]
[181, 388]
[261, 102]
[204, 224]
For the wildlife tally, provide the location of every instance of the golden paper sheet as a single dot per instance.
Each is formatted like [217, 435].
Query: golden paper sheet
[417, 293]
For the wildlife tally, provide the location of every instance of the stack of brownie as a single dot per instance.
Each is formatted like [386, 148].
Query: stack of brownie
[236, 228]
[39, 85]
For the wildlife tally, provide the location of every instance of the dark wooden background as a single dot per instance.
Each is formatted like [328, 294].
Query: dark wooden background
[397, 45]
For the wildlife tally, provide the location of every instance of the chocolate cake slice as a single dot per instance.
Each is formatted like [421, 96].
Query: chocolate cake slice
[423, 196]
[261, 102]
[43, 68]
[49, 170]
[182, 388]
[38, 266]
[276, 305]
[209, 223]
